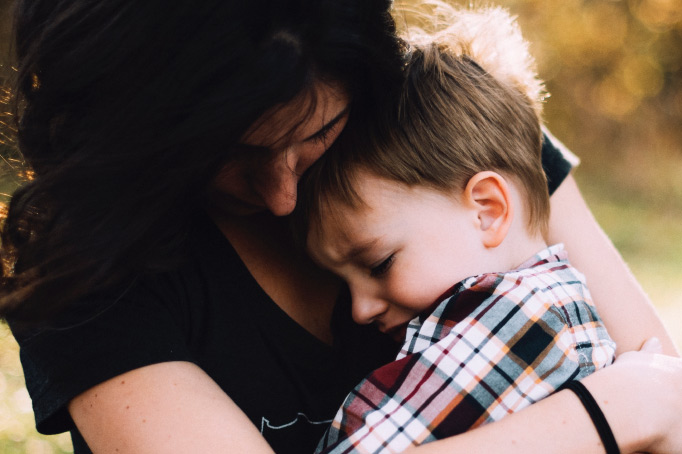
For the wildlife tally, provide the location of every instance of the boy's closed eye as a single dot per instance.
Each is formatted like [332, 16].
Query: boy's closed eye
[382, 267]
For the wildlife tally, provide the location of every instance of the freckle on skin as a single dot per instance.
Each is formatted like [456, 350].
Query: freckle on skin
[127, 407]
[123, 382]
[144, 420]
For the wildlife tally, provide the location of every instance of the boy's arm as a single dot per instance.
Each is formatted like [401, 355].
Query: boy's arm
[626, 310]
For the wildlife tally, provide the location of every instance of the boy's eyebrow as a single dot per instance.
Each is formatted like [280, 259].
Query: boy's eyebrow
[359, 249]
[330, 124]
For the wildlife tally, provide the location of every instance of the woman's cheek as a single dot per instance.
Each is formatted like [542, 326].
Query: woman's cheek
[310, 155]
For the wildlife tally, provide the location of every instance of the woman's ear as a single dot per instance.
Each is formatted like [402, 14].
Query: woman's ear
[488, 193]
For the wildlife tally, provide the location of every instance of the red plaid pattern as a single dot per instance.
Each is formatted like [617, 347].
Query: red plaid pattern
[498, 343]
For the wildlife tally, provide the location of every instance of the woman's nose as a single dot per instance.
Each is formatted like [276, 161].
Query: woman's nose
[279, 189]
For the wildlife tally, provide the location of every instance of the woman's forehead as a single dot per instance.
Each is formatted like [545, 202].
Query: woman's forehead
[299, 118]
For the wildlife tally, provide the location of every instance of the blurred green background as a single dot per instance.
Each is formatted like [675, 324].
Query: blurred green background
[614, 72]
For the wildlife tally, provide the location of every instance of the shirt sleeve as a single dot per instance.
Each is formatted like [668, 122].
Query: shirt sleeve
[60, 362]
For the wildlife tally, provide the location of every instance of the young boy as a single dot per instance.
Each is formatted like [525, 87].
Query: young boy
[437, 224]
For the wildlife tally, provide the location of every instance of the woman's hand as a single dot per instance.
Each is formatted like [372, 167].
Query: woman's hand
[641, 397]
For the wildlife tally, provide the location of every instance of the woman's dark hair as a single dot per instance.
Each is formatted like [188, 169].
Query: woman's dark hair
[125, 110]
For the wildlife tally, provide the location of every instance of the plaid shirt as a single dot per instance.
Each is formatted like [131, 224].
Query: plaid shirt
[496, 344]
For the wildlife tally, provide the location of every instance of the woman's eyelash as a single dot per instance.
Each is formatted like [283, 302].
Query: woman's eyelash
[323, 134]
[383, 267]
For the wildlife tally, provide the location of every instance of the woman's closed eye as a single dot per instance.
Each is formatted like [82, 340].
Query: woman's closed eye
[381, 269]
[328, 130]
[322, 135]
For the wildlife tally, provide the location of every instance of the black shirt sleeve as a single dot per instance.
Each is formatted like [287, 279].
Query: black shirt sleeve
[555, 162]
[62, 361]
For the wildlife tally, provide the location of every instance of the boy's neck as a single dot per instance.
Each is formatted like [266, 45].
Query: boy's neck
[519, 245]
[520, 248]
[521, 242]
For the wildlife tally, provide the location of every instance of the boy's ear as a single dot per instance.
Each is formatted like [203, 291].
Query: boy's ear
[489, 194]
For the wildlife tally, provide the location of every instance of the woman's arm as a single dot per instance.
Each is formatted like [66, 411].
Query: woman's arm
[640, 396]
[164, 408]
[626, 310]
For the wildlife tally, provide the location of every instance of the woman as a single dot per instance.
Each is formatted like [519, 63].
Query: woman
[158, 300]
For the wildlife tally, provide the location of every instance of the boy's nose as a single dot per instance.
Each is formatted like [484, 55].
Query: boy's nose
[367, 309]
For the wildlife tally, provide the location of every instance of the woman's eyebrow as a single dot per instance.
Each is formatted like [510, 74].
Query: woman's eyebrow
[321, 131]
[329, 125]
[251, 148]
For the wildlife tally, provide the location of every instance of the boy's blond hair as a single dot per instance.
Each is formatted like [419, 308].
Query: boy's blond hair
[464, 108]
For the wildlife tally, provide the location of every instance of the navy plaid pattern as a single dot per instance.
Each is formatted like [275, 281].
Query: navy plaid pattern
[496, 344]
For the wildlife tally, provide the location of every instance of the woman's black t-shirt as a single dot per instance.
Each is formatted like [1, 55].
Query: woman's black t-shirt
[211, 312]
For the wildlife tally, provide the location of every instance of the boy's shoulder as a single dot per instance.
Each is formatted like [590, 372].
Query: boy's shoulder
[535, 285]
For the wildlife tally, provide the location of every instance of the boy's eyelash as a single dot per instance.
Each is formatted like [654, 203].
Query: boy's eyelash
[383, 267]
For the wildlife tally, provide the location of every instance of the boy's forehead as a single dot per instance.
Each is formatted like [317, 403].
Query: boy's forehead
[383, 205]
[347, 223]
[340, 232]
[335, 224]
